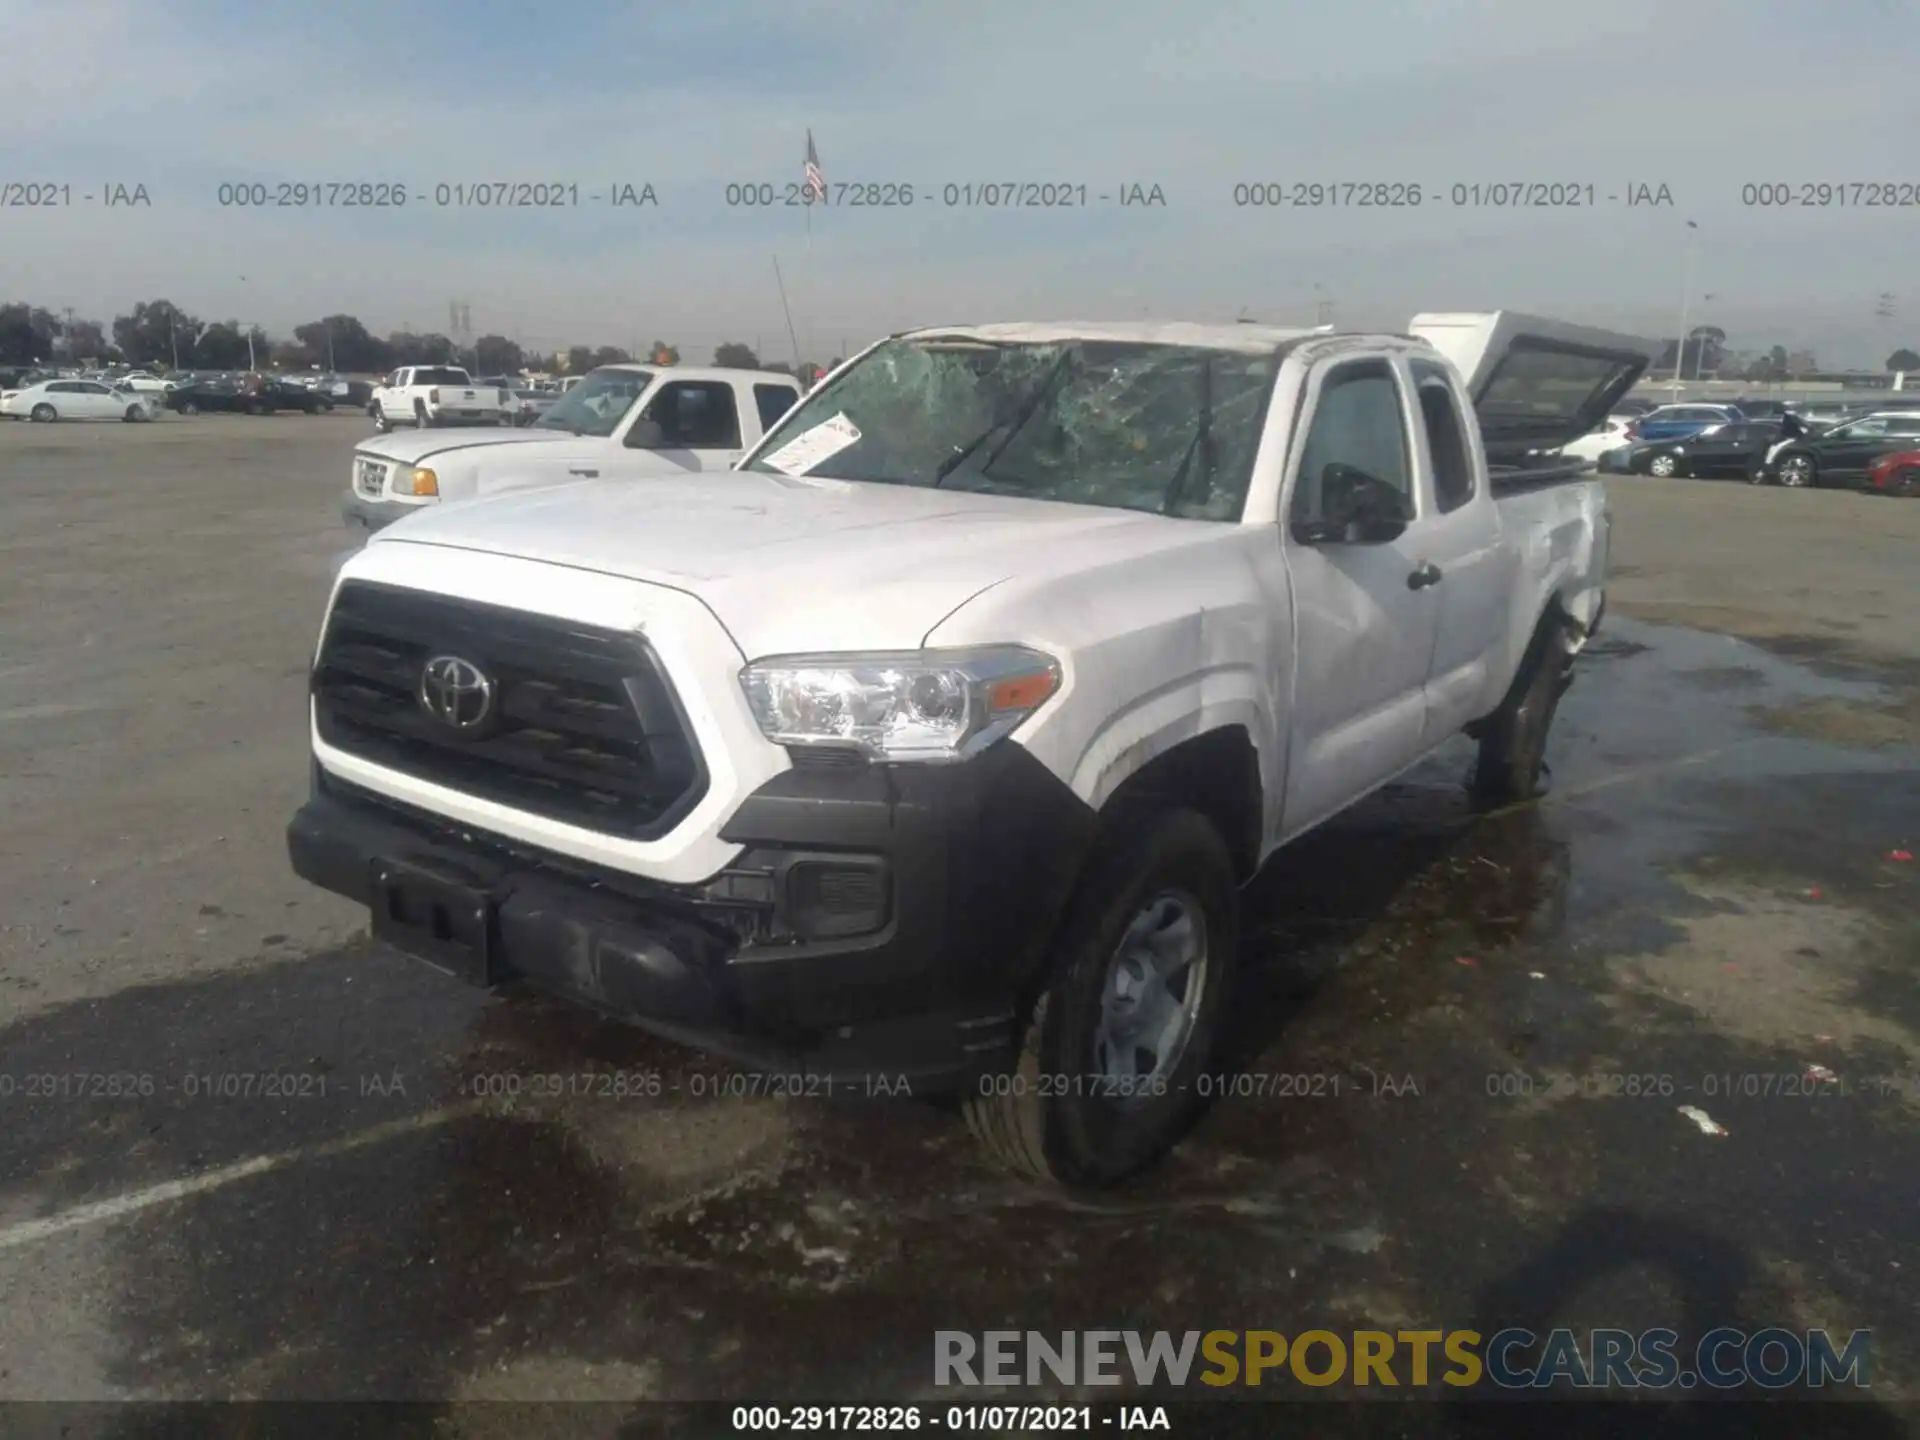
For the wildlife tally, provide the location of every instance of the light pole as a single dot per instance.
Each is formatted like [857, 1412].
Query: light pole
[251, 367]
[1686, 294]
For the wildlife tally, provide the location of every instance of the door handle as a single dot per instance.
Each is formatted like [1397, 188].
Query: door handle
[589, 474]
[1427, 574]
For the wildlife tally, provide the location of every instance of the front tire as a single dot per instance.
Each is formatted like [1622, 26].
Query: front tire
[381, 424]
[133, 415]
[1110, 1072]
[1663, 467]
[1905, 482]
[1513, 740]
[420, 415]
[1798, 471]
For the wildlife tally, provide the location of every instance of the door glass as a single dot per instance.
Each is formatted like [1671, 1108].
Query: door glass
[695, 415]
[1358, 439]
[773, 401]
[1446, 439]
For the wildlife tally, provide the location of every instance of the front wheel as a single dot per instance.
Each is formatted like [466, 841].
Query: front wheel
[1664, 467]
[133, 415]
[45, 414]
[420, 415]
[381, 424]
[1513, 740]
[1111, 1069]
[1798, 472]
[1905, 482]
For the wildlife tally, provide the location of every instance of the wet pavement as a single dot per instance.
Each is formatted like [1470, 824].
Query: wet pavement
[1464, 1045]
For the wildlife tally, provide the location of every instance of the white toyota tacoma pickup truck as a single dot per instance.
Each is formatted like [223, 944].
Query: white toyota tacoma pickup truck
[427, 395]
[937, 741]
[620, 422]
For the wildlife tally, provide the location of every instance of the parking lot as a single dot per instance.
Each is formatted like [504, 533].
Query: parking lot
[1497, 1017]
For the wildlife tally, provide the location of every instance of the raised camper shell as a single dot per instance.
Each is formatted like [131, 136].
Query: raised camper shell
[1536, 383]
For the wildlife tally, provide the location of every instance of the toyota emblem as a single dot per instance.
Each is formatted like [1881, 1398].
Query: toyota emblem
[456, 692]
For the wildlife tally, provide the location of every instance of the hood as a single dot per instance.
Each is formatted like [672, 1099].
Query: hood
[792, 565]
[411, 447]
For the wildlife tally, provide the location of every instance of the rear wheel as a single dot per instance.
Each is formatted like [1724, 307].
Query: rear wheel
[380, 421]
[133, 414]
[420, 414]
[44, 413]
[1513, 740]
[1109, 1076]
[1905, 481]
[1798, 471]
[187, 407]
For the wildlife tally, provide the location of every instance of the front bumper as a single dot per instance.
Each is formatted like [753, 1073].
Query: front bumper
[367, 515]
[879, 921]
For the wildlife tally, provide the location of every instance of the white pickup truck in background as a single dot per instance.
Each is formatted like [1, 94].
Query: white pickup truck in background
[623, 421]
[939, 738]
[427, 395]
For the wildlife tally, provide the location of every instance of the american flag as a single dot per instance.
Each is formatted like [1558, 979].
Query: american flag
[816, 183]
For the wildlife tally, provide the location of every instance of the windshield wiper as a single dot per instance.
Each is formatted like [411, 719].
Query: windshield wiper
[1202, 442]
[1026, 412]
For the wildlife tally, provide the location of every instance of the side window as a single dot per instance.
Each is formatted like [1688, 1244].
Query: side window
[92, 389]
[773, 402]
[1905, 425]
[696, 415]
[1357, 441]
[1446, 438]
[62, 387]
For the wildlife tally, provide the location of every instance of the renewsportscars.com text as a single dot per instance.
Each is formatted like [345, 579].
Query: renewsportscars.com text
[1773, 1358]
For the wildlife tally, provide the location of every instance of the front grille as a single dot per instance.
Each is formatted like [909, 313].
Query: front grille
[584, 727]
[370, 477]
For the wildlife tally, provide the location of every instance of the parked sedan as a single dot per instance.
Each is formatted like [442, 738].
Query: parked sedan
[217, 395]
[1610, 436]
[1896, 474]
[1720, 452]
[291, 395]
[1842, 456]
[52, 400]
[1678, 422]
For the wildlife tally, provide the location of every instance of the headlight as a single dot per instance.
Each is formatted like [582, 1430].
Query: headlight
[419, 481]
[918, 705]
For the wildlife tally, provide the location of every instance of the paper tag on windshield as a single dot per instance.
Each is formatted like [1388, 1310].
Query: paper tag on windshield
[822, 442]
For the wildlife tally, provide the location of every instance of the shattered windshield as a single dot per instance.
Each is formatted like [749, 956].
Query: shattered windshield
[1169, 429]
[595, 405]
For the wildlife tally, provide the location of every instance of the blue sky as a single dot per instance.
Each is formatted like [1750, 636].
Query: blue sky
[1703, 98]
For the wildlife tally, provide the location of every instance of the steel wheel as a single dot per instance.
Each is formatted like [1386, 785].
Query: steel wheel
[1152, 994]
[1797, 471]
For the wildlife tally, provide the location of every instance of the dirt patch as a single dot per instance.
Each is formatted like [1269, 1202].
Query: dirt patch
[1847, 722]
[1774, 968]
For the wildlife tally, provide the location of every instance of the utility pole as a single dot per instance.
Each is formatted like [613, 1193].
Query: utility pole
[173, 340]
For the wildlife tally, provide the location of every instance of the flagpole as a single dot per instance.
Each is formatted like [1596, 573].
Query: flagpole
[788, 312]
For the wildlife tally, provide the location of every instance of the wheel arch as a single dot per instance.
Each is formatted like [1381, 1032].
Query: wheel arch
[1216, 773]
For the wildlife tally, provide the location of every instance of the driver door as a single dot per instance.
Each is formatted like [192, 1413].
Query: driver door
[1365, 619]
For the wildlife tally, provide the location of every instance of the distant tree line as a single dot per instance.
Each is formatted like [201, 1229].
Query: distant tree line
[159, 333]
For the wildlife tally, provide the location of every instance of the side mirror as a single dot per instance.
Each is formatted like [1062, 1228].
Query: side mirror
[1359, 509]
[645, 435]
